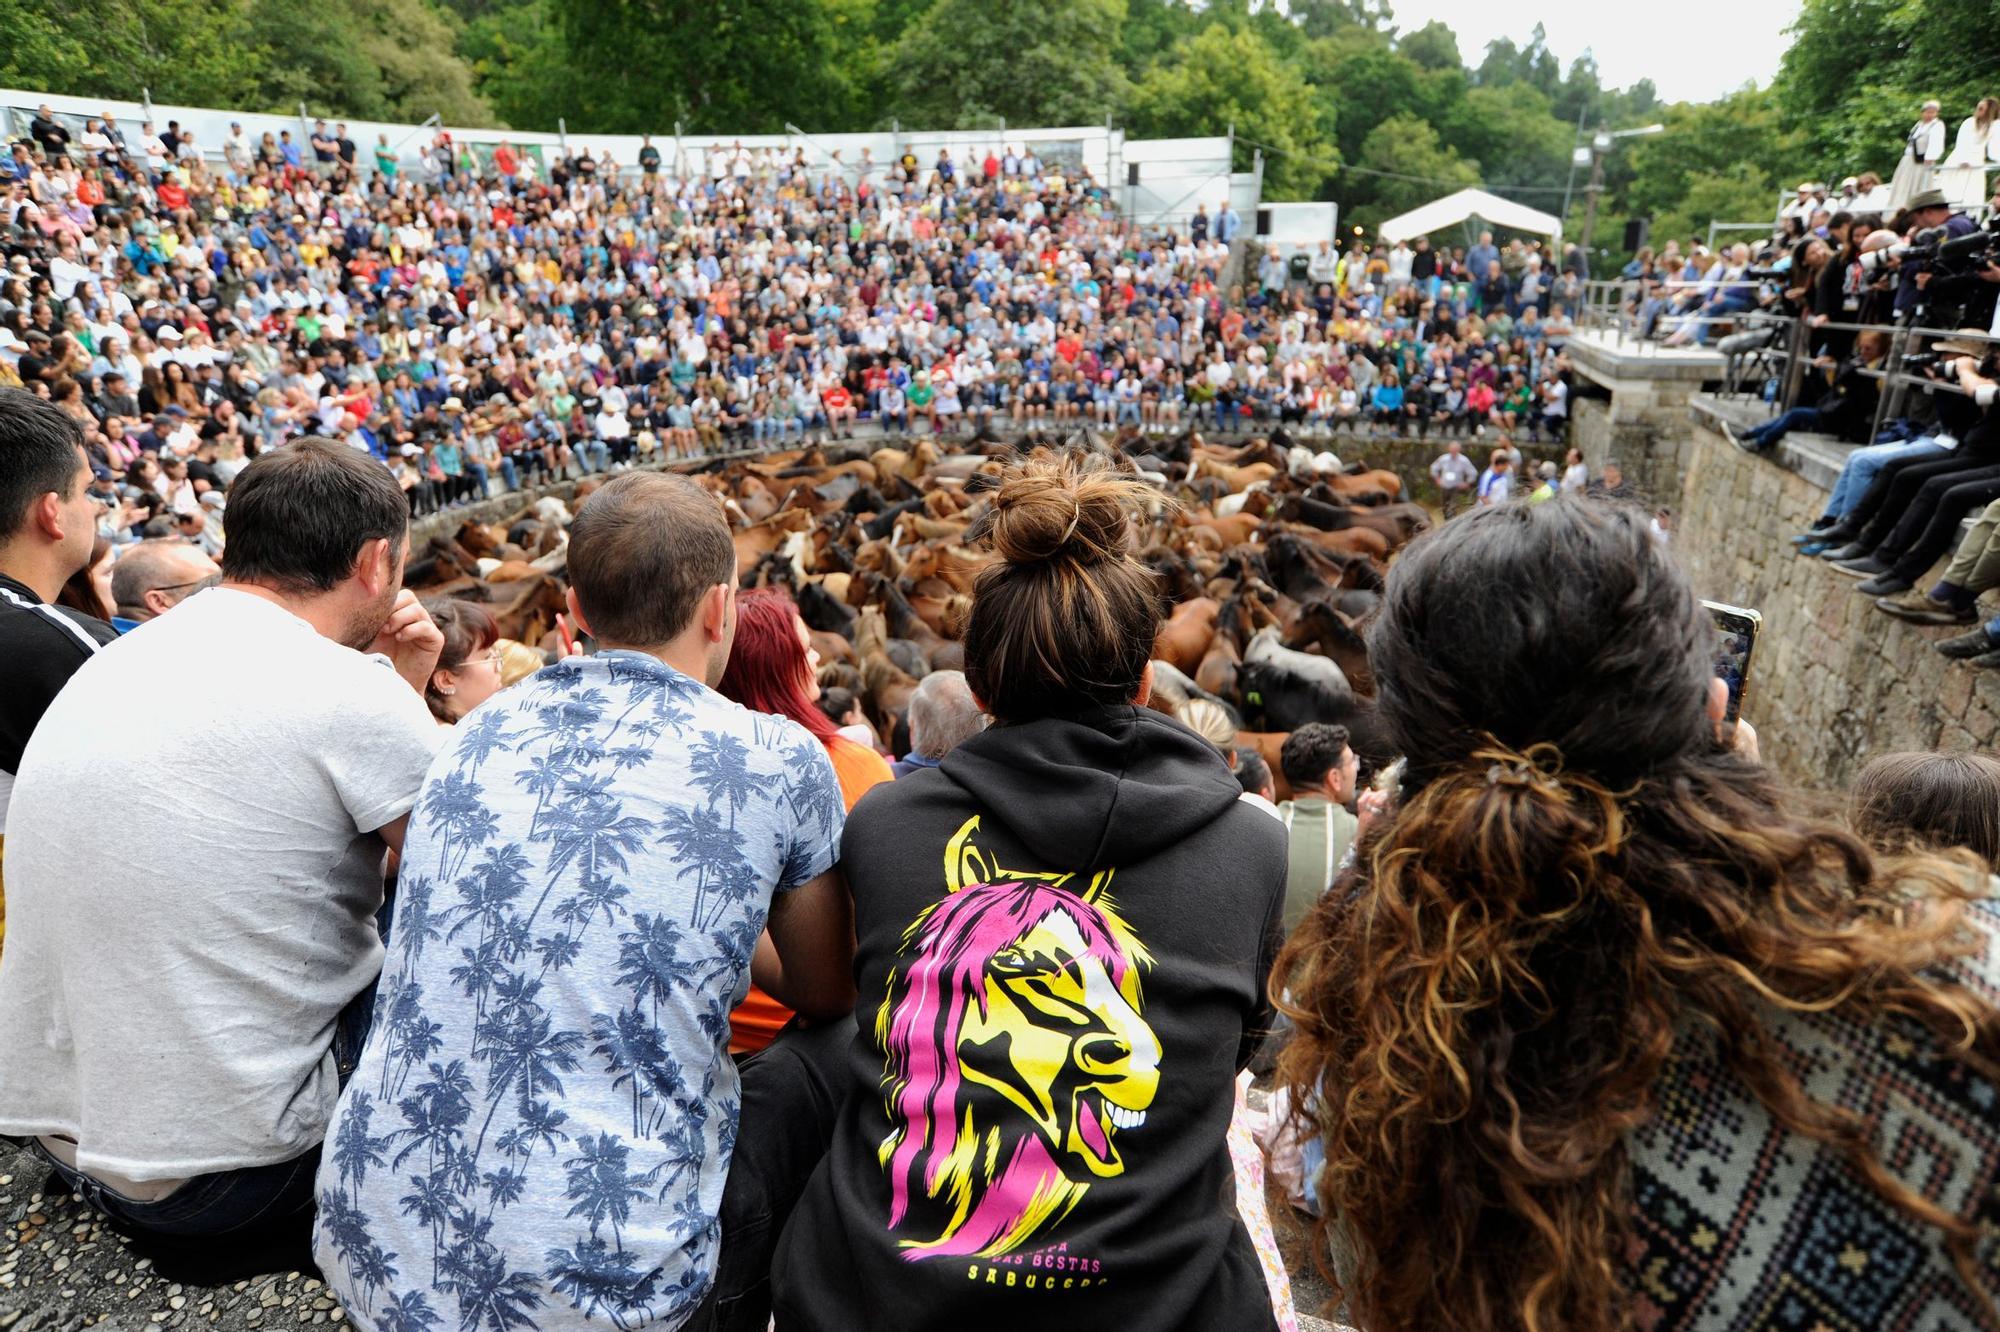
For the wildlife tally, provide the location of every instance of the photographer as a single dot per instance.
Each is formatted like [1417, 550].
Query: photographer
[1846, 408]
[1928, 211]
[1966, 294]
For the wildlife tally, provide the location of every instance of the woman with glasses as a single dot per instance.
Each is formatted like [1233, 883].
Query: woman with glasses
[468, 669]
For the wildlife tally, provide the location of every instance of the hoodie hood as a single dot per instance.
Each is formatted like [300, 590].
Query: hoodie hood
[1103, 788]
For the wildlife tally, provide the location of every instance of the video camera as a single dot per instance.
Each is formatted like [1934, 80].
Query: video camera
[1949, 255]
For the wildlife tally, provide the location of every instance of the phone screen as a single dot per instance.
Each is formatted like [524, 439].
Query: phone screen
[1735, 645]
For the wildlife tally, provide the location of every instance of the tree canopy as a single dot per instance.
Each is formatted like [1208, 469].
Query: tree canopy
[1341, 104]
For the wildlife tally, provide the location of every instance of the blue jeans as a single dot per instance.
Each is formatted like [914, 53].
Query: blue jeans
[1798, 418]
[1858, 473]
[595, 455]
[1720, 308]
[509, 474]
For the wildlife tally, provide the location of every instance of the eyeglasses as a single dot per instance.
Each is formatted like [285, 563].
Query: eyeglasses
[199, 584]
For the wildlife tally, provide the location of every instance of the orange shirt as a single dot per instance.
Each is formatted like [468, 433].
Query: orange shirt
[759, 1017]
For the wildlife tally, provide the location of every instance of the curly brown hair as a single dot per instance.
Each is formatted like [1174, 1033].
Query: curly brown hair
[1575, 874]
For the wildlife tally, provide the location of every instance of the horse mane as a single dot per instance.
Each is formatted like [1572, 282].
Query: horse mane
[996, 1200]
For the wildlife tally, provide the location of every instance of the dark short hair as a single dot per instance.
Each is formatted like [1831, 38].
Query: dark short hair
[836, 701]
[40, 452]
[1252, 773]
[299, 515]
[1311, 752]
[643, 550]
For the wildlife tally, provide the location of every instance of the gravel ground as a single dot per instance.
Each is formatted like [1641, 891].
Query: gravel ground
[62, 1267]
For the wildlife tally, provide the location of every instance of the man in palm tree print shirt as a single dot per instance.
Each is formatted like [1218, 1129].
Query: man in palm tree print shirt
[541, 1124]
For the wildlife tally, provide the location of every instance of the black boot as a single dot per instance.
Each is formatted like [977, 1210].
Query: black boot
[1965, 647]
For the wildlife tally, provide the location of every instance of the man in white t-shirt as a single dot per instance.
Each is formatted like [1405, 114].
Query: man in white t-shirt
[184, 996]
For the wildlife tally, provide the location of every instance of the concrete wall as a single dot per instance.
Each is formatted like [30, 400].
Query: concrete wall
[1835, 681]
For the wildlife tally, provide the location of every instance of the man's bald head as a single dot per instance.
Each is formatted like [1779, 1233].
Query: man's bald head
[155, 576]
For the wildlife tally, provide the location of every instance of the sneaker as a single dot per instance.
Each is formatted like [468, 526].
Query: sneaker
[1985, 661]
[1865, 567]
[1816, 537]
[1883, 585]
[1812, 548]
[1914, 607]
[1848, 550]
[1965, 647]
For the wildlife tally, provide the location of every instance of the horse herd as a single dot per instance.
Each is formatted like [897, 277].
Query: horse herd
[1268, 564]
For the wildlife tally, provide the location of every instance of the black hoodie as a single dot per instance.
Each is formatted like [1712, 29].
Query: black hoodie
[1063, 936]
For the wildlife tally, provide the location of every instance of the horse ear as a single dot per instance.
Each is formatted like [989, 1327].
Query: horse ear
[964, 863]
[1099, 883]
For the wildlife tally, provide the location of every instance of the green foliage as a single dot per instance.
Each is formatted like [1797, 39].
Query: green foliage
[1433, 46]
[1323, 82]
[720, 66]
[371, 59]
[1407, 146]
[973, 62]
[182, 50]
[1219, 78]
[1858, 71]
[1741, 193]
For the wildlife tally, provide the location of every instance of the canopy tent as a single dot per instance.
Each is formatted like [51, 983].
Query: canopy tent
[1454, 208]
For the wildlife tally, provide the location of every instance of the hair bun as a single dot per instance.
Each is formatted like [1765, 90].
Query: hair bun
[1064, 506]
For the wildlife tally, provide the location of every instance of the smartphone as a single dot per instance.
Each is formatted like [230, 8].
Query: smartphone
[1736, 643]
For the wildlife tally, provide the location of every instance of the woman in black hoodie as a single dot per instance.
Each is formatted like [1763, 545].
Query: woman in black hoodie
[1063, 935]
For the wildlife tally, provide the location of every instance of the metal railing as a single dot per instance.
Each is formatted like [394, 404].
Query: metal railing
[1777, 345]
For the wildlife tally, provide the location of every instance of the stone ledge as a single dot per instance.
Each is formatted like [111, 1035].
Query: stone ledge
[1817, 458]
[1613, 361]
[1835, 681]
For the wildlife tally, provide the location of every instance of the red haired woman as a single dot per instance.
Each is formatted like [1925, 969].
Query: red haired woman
[773, 668]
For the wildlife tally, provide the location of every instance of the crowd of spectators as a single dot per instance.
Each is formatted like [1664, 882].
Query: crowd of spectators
[478, 321]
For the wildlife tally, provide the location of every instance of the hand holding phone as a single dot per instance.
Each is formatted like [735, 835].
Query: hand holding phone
[1736, 644]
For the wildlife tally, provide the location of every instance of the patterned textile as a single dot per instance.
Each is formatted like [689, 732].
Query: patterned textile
[541, 1123]
[1247, 1160]
[1744, 1226]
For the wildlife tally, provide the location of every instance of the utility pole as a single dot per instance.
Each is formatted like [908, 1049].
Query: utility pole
[1590, 193]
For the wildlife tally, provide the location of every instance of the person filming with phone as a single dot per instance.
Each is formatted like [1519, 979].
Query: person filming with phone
[1596, 983]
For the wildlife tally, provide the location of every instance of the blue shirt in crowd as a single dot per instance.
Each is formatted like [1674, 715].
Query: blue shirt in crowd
[541, 1122]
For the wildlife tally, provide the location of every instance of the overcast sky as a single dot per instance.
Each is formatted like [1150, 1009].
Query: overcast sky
[1626, 38]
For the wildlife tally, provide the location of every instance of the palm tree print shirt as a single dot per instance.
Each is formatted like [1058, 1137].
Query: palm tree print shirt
[539, 1130]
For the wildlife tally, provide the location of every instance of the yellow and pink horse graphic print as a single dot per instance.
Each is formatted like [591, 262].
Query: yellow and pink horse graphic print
[1018, 1055]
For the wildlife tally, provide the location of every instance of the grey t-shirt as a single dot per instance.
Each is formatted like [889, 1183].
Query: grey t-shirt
[192, 877]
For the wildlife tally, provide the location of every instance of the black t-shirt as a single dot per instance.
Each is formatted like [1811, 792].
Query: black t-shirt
[346, 148]
[41, 646]
[1065, 931]
[649, 159]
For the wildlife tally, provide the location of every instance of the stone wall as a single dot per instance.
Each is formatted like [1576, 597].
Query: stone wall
[1834, 681]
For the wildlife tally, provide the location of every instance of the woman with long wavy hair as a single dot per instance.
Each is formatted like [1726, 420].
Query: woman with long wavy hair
[1600, 1032]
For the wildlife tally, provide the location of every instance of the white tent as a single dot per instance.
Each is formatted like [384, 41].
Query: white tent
[1454, 208]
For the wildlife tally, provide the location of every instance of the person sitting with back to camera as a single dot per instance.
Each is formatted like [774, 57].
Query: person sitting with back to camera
[1774, 1010]
[1063, 932]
